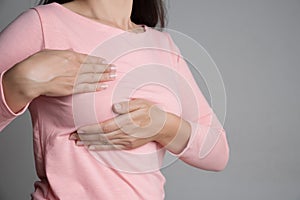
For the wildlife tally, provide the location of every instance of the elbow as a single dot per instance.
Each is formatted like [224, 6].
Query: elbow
[223, 157]
[217, 159]
[221, 163]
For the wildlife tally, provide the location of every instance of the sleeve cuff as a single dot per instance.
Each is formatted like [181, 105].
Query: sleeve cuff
[201, 142]
[6, 112]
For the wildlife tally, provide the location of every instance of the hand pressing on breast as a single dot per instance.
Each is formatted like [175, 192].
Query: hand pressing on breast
[54, 73]
[138, 122]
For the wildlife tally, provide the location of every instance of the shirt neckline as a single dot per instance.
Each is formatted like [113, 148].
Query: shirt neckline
[146, 29]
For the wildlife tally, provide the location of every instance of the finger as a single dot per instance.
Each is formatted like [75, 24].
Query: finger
[105, 147]
[90, 129]
[85, 58]
[115, 124]
[89, 87]
[96, 68]
[126, 123]
[74, 136]
[129, 106]
[88, 78]
[118, 134]
[95, 78]
[108, 127]
[108, 76]
[92, 137]
[123, 142]
[87, 143]
[100, 136]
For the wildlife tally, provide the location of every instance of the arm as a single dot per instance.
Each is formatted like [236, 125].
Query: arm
[28, 70]
[196, 137]
[203, 144]
[20, 39]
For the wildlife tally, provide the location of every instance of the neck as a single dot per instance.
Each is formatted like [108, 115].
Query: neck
[112, 12]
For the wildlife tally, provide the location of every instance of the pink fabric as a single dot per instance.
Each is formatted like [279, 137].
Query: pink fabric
[148, 66]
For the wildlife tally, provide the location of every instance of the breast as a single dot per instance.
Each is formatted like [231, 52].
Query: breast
[142, 74]
[151, 82]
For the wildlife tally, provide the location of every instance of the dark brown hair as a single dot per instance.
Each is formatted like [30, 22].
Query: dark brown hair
[149, 12]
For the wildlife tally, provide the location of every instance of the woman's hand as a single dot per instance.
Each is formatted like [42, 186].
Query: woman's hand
[139, 122]
[54, 73]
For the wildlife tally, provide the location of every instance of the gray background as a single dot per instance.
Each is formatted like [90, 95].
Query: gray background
[256, 45]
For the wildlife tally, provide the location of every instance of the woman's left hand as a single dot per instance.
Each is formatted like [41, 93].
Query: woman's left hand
[139, 122]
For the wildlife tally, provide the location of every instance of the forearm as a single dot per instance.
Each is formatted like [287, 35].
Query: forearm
[175, 134]
[7, 111]
[17, 93]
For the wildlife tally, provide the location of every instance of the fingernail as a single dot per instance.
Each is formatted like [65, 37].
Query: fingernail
[112, 75]
[117, 106]
[72, 137]
[92, 147]
[104, 62]
[79, 143]
[113, 68]
[103, 86]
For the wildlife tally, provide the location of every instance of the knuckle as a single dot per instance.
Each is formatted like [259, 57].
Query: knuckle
[129, 145]
[137, 101]
[104, 77]
[105, 128]
[141, 102]
[100, 137]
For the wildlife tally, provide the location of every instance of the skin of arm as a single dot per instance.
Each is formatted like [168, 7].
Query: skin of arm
[70, 73]
[176, 135]
[16, 95]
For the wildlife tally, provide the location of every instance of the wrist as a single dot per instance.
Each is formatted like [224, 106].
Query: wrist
[175, 135]
[16, 79]
[169, 130]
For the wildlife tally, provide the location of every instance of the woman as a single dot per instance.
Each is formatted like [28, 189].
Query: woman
[54, 60]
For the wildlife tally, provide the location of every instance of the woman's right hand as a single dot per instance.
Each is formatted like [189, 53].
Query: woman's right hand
[54, 73]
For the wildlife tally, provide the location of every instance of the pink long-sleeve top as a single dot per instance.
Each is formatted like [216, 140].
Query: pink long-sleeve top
[149, 66]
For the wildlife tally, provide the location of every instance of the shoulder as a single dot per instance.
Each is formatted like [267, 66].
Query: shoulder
[25, 24]
[26, 18]
[47, 8]
[164, 40]
[31, 16]
[49, 12]
[21, 38]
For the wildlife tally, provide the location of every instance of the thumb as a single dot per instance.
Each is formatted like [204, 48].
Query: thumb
[128, 106]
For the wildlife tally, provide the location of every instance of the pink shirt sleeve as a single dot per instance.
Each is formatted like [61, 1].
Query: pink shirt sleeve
[20, 39]
[207, 147]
